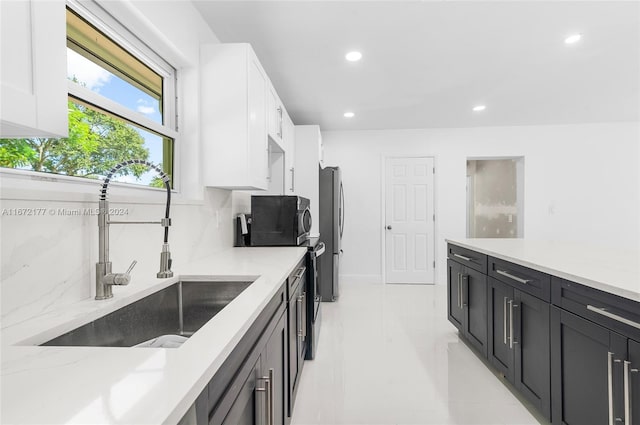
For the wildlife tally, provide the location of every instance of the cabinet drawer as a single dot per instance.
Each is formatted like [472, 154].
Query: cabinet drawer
[611, 311]
[527, 280]
[467, 257]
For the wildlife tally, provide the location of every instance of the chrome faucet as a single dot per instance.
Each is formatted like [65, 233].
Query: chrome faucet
[105, 279]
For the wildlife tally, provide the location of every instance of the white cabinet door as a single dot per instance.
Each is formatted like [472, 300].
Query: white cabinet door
[275, 116]
[258, 142]
[288, 140]
[33, 69]
[307, 168]
[233, 118]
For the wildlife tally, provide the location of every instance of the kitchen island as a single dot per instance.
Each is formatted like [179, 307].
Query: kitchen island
[560, 322]
[112, 385]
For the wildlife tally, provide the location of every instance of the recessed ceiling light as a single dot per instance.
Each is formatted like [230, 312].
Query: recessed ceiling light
[349, 114]
[479, 108]
[353, 56]
[574, 38]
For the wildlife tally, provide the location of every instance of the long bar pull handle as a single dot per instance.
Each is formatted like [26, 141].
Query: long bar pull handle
[504, 322]
[293, 178]
[267, 391]
[459, 291]
[610, 386]
[510, 324]
[627, 390]
[463, 257]
[304, 319]
[271, 411]
[299, 301]
[465, 289]
[628, 413]
[514, 329]
[613, 316]
[510, 276]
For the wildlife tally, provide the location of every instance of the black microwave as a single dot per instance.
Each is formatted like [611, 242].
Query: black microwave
[279, 220]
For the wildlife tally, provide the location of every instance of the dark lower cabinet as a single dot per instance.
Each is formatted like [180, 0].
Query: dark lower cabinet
[297, 317]
[273, 367]
[586, 369]
[474, 301]
[261, 398]
[518, 342]
[467, 303]
[531, 342]
[245, 409]
[500, 351]
[455, 311]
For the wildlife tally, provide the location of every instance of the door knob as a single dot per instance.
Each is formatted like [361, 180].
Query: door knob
[389, 227]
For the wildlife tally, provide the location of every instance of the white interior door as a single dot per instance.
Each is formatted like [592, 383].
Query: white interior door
[409, 215]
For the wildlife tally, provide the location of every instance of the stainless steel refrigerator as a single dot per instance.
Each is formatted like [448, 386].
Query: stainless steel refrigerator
[331, 209]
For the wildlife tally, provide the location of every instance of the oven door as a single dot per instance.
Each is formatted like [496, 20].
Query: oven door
[316, 258]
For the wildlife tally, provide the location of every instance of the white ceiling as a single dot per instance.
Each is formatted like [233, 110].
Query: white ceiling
[426, 64]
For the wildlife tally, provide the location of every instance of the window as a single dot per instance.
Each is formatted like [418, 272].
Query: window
[121, 106]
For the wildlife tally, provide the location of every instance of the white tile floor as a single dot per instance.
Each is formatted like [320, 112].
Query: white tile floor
[388, 355]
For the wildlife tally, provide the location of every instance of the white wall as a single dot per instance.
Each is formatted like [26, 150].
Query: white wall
[581, 184]
[47, 262]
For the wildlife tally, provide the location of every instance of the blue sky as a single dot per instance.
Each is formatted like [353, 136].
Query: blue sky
[99, 80]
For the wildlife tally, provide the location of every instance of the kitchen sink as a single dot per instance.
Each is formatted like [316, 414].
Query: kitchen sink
[180, 309]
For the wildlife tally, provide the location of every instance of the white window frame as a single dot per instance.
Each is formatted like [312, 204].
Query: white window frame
[70, 187]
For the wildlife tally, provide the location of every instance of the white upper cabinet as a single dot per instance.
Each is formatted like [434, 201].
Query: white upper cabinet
[288, 142]
[234, 119]
[33, 69]
[308, 158]
[275, 115]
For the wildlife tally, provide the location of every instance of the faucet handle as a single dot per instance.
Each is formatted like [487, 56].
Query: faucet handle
[133, 264]
[120, 278]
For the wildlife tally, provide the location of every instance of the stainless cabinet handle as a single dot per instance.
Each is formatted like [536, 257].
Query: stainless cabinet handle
[613, 316]
[627, 408]
[459, 290]
[510, 324]
[610, 386]
[299, 301]
[301, 272]
[465, 289]
[463, 257]
[504, 322]
[293, 178]
[271, 411]
[512, 335]
[280, 121]
[510, 276]
[628, 419]
[304, 318]
[268, 390]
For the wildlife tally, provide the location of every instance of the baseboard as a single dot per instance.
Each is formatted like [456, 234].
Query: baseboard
[374, 279]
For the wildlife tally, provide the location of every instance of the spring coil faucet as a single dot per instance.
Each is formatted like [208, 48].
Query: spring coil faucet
[105, 279]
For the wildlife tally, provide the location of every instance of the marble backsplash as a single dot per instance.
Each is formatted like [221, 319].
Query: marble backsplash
[47, 259]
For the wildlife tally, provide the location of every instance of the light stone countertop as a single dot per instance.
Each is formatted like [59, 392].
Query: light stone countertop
[97, 385]
[612, 270]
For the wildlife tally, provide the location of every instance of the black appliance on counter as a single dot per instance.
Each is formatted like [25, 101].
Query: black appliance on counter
[331, 228]
[279, 220]
[286, 221]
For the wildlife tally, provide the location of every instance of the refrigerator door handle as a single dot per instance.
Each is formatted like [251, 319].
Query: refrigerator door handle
[341, 210]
